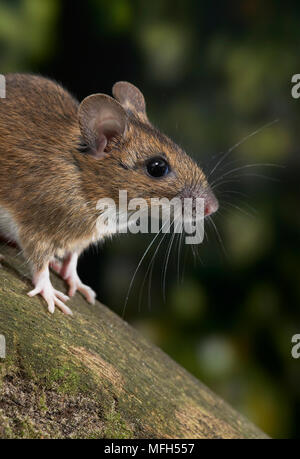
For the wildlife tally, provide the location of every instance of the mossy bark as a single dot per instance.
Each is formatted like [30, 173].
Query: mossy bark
[93, 376]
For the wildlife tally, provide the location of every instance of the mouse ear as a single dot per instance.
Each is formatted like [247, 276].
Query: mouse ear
[131, 98]
[100, 118]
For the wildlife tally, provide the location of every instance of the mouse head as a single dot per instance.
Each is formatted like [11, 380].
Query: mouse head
[133, 155]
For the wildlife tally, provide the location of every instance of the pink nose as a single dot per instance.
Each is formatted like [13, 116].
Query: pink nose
[211, 204]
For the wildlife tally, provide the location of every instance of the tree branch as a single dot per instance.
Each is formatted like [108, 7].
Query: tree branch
[93, 376]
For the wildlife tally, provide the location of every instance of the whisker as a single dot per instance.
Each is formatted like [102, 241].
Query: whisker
[231, 180]
[224, 155]
[138, 266]
[180, 237]
[229, 192]
[151, 266]
[167, 261]
[240, 209]
[239, 193]
[195, 253]
[218, 235]
[147, 271]
[236, 161]
[247, 166]
[184, 264]
[237, 178]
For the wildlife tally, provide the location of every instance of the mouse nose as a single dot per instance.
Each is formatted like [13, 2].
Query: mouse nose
[211, 204]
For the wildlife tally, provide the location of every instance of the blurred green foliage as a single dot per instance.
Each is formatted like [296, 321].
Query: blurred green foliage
[212, 74]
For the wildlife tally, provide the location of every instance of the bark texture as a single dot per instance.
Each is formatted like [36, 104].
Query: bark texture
[93, 376]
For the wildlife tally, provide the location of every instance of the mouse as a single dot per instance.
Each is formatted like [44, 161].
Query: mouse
[58, 157]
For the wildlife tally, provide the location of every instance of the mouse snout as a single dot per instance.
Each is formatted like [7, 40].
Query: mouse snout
[211, 204]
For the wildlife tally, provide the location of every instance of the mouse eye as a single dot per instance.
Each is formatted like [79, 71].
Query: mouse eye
[157, 167]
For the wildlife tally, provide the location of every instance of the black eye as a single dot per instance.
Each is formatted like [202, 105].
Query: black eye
[157, 167]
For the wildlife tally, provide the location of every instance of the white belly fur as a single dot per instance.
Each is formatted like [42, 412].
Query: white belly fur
[8, 227]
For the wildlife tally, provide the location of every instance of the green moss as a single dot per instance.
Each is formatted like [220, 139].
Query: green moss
[43, 403]
[18, 428]
[94, 435]
[115, 426]
[66, 378]
[25, 429]
[5, 429]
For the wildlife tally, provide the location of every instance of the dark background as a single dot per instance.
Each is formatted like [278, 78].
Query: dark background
[212, 73]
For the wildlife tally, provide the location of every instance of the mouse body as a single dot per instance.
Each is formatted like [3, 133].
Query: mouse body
[59, 157]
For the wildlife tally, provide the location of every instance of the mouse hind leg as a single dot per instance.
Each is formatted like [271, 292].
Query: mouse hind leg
[68, 271]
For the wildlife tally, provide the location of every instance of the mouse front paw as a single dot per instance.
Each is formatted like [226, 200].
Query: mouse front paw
[52, 296]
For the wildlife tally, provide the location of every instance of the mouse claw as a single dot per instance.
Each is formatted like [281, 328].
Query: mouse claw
[69, 273]
[52, 296]
[75, 285]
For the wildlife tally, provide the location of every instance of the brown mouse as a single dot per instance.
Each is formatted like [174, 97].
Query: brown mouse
[59, 157]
